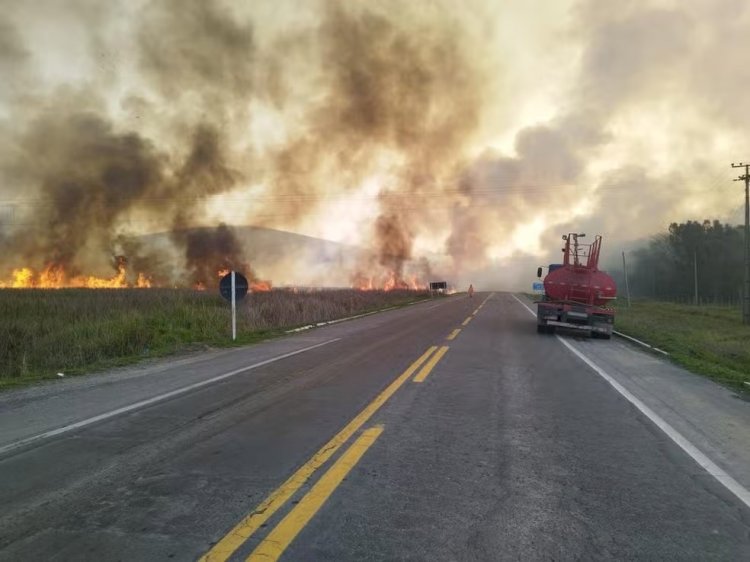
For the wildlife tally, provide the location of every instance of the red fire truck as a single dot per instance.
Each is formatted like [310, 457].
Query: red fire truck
[576, 292]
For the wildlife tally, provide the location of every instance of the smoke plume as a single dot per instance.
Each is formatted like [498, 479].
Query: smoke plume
[427, 139]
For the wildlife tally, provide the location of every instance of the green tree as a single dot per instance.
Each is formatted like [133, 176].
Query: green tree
[664, 268]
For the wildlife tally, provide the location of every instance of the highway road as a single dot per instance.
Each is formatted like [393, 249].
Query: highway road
[447, 430]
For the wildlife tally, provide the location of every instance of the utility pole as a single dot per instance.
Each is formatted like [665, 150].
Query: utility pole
[746, 284]
[625, 270]
[695, 276]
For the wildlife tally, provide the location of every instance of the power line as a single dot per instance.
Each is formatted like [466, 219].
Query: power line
[306, 197]
[510, 189]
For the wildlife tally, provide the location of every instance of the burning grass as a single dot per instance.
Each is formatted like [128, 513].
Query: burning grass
[43, 332]
[55, 277]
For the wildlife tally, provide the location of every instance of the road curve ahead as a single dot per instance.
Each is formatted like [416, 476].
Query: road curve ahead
[447, 430]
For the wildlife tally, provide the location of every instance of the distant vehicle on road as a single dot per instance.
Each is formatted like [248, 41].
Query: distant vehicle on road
[576, 292]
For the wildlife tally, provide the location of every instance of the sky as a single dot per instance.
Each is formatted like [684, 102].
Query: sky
[442, 138]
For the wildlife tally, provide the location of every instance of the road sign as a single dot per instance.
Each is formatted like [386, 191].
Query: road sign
[233, 287]
[537, 286]
[240, 286]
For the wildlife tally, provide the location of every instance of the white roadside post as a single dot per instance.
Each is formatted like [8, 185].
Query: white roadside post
[234, 308]
[233, 287]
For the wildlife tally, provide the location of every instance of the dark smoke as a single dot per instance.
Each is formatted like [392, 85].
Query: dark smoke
[91, 176]
[393, 86]
[209, 251]
[205, 172]
[198, 52]
[393, 243]
[88, 177]
[396, 92]
[356, 93]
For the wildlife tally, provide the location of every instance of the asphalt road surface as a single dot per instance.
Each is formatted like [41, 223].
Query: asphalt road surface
[448, 430]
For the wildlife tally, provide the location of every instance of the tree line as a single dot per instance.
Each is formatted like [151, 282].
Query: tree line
[665, 268]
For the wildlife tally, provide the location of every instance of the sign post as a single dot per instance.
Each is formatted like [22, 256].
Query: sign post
[234, 307]
[233, 287]
[438, 287]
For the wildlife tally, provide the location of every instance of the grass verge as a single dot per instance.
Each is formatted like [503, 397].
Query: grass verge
[75, 331]
[707, 340]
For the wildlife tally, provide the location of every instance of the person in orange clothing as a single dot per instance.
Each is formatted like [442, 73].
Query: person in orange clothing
[471, 291]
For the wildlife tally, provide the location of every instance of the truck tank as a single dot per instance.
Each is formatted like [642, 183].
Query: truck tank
[580, 285]
[576, 292]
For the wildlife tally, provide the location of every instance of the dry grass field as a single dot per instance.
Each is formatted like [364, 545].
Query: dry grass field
[73, 331]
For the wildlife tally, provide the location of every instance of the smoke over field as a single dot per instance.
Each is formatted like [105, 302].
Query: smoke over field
[437, 141]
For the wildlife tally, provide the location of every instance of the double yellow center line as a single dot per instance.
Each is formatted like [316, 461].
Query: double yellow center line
[430, 365]
[223, 549]
[272, 547]
[468, 319]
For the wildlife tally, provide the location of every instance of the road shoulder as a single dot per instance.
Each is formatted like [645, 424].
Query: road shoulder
[714, 418]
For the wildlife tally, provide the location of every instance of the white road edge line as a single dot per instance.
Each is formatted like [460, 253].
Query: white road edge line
[643, 343]
[523, 304]
[337, 320]
[153, 400]
[707, 464]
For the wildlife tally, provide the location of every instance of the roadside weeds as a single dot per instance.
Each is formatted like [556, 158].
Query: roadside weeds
[80, 331]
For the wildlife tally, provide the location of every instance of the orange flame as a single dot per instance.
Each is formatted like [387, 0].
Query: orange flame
[364, 284]
[255, 286]
[260, 286]
[54, 277]
[22, 278]
[388, 282]
[143, 282]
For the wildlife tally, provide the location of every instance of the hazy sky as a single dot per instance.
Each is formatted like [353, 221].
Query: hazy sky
[477, 130]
